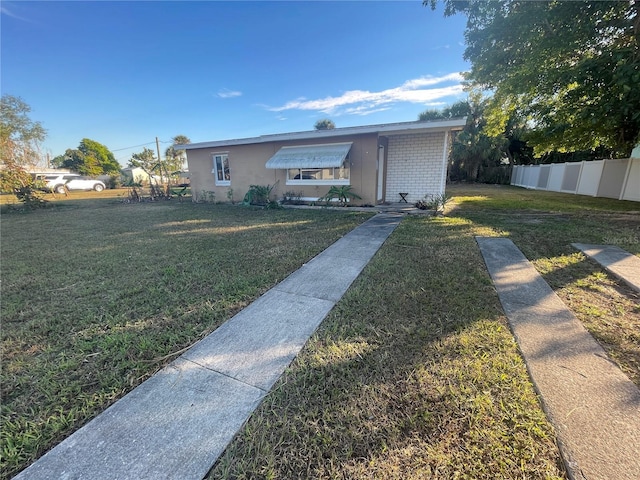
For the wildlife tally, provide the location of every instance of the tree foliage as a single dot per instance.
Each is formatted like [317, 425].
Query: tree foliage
[105, 159]
[459, 109]
[146, 160]
[175, 159]
[15, 179]
[90, 158]
[325, 124]
[572, 68]
[19, 147]
[475, 155]
[76, 161]
[20, 137]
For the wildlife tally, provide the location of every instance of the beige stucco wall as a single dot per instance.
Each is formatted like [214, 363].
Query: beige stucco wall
[414, 163]
[247, 167]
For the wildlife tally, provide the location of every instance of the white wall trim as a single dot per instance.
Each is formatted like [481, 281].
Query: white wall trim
[445, 162]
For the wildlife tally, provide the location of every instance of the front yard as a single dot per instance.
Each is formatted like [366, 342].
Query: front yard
[414, 374]
[98, 295]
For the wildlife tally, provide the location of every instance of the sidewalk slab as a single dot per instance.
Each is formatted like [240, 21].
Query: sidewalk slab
[329, 274]
[615, 260]
[593, 406]
[169, 427]
[176, 424]
[257, 344]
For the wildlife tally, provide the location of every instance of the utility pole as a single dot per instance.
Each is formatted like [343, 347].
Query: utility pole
[158, 148]
[161, 169]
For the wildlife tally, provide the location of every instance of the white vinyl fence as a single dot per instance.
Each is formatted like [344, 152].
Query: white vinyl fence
[619, 179]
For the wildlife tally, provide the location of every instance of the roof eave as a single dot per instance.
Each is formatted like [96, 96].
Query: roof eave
[389, 129]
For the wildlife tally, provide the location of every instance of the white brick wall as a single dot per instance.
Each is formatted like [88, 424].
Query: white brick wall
[414, 165]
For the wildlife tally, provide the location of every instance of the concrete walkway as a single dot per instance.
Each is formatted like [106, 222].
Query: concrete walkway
[176, 424]
[616, 261]
[593, 406]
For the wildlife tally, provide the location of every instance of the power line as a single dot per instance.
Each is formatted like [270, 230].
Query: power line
[134, 146]
[127, 157]
[141, 145]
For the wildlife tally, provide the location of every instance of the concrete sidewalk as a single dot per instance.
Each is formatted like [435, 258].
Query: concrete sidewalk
[616, 261]
[593, 406]
[176, 424]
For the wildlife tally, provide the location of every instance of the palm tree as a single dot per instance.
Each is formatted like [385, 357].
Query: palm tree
[325, 124]
[175, 159]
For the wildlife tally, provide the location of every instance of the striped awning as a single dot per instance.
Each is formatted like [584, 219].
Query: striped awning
[329, 155]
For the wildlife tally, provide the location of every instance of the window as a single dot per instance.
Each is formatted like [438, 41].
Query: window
[324, 164]
[308, 176]
[221, 169]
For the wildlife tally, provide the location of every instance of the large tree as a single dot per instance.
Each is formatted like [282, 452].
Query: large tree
[76, 161]
[20, 137]
[90, 158]
[102, 154]
[572, 68]
[474, 154]
[19, 149]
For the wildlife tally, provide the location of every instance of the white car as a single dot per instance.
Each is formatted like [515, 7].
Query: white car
[56, 183]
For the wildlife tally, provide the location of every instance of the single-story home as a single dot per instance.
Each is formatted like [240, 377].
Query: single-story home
[378, 162]
[138, 175]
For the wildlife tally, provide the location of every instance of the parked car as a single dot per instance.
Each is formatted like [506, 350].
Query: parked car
[56, 183]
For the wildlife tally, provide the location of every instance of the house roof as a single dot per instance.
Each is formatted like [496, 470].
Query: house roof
[387, 129]
[328, 155]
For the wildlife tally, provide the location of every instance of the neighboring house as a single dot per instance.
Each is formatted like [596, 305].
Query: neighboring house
[378, 161]
[138, 175]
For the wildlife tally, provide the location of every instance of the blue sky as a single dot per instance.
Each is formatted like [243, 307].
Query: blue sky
[123, 73]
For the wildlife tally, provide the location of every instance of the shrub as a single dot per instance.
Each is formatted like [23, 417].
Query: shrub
[292, 198]
[259, 195]
[342, 193]
[206, 196]
[115, 181]
[435, 202]
[15, 179]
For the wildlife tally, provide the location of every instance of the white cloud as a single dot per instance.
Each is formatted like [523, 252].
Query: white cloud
[4, 10]
[364, 102]
[226, 93]
[364, 110]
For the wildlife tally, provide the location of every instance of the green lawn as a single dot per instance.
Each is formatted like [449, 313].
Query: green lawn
[98, 295]
[414, 374]
[543, 225]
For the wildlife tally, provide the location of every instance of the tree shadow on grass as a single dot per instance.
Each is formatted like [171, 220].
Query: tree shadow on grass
[607, 306]
[414, 374]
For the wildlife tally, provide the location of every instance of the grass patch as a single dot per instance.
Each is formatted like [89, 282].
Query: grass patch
[10, 202]
[545, 230]
[510, 199]
[98, 295]
[414, 374]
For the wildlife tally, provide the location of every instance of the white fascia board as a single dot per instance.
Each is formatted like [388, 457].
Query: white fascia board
[386, 129]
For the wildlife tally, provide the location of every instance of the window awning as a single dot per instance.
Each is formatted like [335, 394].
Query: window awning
[310, 156]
